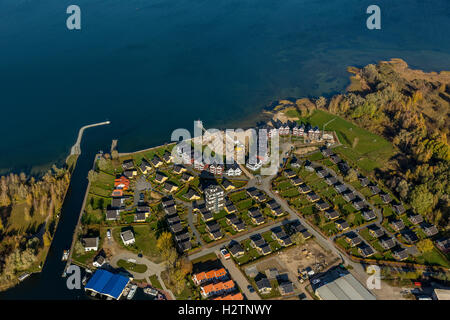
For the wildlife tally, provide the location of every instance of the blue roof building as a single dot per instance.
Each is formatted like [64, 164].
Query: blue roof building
[107, 283]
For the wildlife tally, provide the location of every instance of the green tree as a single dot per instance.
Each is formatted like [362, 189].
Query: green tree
[421, 199]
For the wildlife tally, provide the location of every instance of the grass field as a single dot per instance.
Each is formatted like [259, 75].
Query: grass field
[371, 151]
[134, 267]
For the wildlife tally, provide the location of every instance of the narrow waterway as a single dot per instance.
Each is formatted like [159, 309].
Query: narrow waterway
[49, 284]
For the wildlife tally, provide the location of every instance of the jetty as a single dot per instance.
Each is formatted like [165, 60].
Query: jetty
[76, 148]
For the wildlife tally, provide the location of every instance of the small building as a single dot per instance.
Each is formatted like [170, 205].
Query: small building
[192, 195]
[236, 249]
[227, 185]
[386, 198]
[342, 225]
[353, 239]
[157, 162]
[127, 237]
[170, 187]
[387, 242]
[364, 181]
[206, 215]
[400, 254]
[429, 229]
[369, 215]
[443, 244]
[167, 157]
[107, 284]
[304, 189]
[374, 189]
[375, 231]
[230, 207]
[128, 164]
[160, 177]
[112, 215]
[415, 219]
[398, 209]
[349, 196]
[365, 250]
[296, 181]
[122, 183]
[118, 203]
[322, 205]
[178, 169]
[145, 166]
[397, 225]
[186, 177]
[286, 288]
[312, 196]
[331, 180]
[340, 188]
[410, 236]
[263, 286]
[99, 261]
[331, 214]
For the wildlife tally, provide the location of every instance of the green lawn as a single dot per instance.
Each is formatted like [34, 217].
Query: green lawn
[371, 150]
[134, 267]
[155, 282]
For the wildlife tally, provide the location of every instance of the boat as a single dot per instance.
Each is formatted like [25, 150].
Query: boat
[125, 291]
[132, 292]
[65, 255]
[150, 291]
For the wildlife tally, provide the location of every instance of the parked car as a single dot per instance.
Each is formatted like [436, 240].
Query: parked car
[108, 234]
[225, 254]
[315, 281]
[250, 288]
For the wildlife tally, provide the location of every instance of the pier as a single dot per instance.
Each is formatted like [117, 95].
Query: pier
[76, 148]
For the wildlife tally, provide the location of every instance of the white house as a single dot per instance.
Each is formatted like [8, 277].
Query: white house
[90, 244]
[127, 237]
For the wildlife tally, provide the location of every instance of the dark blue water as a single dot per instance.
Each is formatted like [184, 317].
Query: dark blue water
[155, 65]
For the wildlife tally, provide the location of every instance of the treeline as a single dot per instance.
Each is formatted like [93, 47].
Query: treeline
[411, 109]
[28, 208]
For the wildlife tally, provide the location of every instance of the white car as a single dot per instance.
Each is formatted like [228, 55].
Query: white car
[315, 281]
[225, 253]
[108, 234]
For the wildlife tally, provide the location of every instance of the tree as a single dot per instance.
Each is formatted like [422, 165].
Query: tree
[425, 245]
[352, 175]
[298, 238]
[92, 175]
[321, 102]
[421, 199]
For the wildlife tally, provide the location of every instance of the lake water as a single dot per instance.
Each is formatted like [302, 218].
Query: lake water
[151, 66]
[155, 65]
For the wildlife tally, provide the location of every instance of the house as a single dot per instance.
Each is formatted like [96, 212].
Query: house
[216, 168]
[186, 177]
[331, 214]
[112, 214]
[235, 296]
[127, 237]
[258, 242]
[99, 261]
[236, 222]
[140, 217]
[191, 195]
[365, 250]
[397, 225]
[256, 216]
[358, 204]
[386, 198]
[206, 215]
[90, 244]
[235, 249]
[260, 197]
[278, 212]
[211, 275]
[369, 215]
[173, 219]
[349, 196]
[398, 209]
[214, 198]
[130, 173]
[178, 169]
[128, 164]
[387, 242]
[335, 159]
[213, 229]
[353, 239]
[289, 173]
[343, 167]
[230, 207]
[331, 180]
[375, 231]
[340, 188]
[296, 163]
[322, 173]
[233, 170]
[322, 205]
[168, 202]
[176, 227]
[167, 157]
[326, 151]
[443, 244]
[184, 245]
[122, 183]
[170, 210]
[217, 288]
[374, 189]
[313, 197]
[364, 181]
[118, 203]
[182, 236]
[309, 166]
[298, 227]
[286, 288]
[227, 185]
[170, 187]
[342, 225]
[415, 219]
[145, 166]
[296, 181]
[281, 236]
[160, 177]
[400, 254]
[157, 162]
[429, 229]
[410, 236]
[263, 286]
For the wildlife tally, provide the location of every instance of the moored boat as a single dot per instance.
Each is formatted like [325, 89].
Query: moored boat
[132, 292]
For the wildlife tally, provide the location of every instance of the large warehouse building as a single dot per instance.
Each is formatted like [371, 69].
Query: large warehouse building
[338, 286]
[107, 284]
